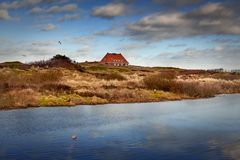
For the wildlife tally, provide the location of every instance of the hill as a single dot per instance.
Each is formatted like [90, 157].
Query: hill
[61, 81]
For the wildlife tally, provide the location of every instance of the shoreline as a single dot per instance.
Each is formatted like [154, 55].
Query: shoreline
[97, 84]
[80, 105]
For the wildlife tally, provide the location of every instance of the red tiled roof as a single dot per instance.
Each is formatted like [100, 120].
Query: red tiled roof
[111, 57]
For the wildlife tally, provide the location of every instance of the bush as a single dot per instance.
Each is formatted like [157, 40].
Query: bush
[57, 61]
[226, 76]
[97, 68]
[14, 79]
[163, 81]
[194, 89]
[15, 65]
[167, 82]
[110, 76]
[19, 98]
[80, 68]
[39, 76]
[55, 87]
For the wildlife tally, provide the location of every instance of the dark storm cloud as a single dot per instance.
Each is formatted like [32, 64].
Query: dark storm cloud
[177, 3]
[211, 18]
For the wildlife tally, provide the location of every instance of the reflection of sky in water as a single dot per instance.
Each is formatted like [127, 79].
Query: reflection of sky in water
[192, 129]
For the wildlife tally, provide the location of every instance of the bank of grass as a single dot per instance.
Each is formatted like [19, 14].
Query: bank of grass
[59, 86]
[196, 88]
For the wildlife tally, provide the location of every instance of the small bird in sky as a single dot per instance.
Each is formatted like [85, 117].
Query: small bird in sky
[59, 42]
[24, 55]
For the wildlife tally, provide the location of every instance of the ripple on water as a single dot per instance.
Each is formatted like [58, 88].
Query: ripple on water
[191, 129]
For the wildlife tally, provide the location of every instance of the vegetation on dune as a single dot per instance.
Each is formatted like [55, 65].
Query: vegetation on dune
[162, 81]
[111, 76]
[63, 82]
[58, 61]
[192, 88]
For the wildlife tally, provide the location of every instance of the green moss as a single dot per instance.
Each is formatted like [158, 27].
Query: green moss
[58, 100]
[52, 100]
[161, 95]
[94, 100]
[157, 94]
[69, 99]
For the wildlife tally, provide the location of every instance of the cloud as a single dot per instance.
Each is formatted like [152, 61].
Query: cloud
[36, 10]
[84, 50]
[54, 9]
[49, 27]
[110, 10]
[211, 18]
[86, 40]
[221, 56]
[12, 5]
[19, 4]
[65, 8]
[32, 51]
[229, 41]
[214, 10]
[160, 26]
[69, 7]
[177, 3]
[176, 45]
[4, 15]
[132, 46]
[215, 18]
[70, 17]
[113, 31]
[44, 43]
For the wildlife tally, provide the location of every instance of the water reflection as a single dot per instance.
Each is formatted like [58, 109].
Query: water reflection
[233, 150]
[193, 129]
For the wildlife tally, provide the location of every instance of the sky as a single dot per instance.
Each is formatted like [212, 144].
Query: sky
[197, 34]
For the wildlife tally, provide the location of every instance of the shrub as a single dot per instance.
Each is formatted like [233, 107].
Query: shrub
[6, 101]
[58, 61]
[15, 65]
[194, 89]
[11, 79]
[98, 68]
[80, 68]
[167, 82]
[19, 98]
[111, 76]
[163, 81]
[226, 76]
[56, 87]
[42, 76]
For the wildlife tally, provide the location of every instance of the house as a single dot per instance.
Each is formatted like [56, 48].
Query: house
[114, 59]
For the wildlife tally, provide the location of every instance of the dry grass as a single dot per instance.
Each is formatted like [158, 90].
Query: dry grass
[14, 78]
[19, 99]
[197, 88]
[160, 81]
[110, 76]
[101, 84]
[226, 76]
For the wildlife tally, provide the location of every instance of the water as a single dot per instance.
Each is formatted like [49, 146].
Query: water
[192, 129]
